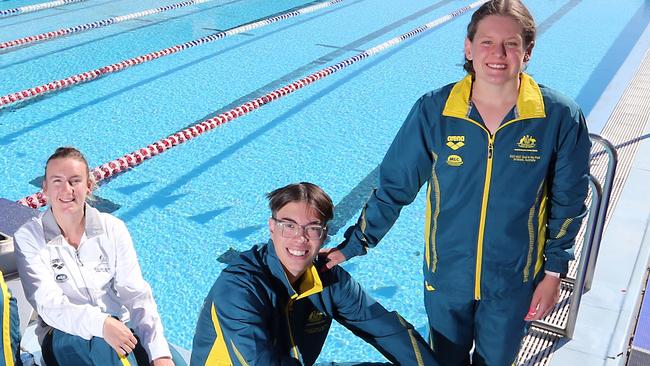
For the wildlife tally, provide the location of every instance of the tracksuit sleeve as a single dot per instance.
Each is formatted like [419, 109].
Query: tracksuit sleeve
[136, 295]
[234, 329]
[387, 331]
[569, 180]
[405, 168]
[43, 293]
[10, 337]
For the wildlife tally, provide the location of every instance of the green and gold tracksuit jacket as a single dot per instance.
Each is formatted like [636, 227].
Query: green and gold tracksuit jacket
[253, 316]
[500, 207]
[10, 335]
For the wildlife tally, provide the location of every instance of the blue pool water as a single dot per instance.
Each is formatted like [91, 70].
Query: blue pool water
[191, 204]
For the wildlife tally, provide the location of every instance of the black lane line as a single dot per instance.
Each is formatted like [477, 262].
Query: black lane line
[557, 15]
[340, 47]
[305, 69]
[62, 11]
[613, 59]
[353, 201]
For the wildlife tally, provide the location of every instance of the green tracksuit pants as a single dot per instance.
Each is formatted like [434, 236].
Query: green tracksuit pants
[495, 327]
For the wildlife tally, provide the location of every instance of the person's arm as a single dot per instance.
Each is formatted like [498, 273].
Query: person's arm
[569, 180]
[233, 327]
[387, 331]
[405, 168]
[45, 295]
[135, 293]
[10, 336]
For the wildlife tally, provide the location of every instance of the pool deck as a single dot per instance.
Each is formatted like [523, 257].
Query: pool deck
[608, 314]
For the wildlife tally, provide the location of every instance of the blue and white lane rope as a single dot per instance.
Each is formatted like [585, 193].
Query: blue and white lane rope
[35, 7]
[93, 25]
[136, 157]
[56, 85]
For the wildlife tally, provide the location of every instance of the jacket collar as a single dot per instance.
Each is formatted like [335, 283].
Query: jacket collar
[530, 103]
[310, 283]
[52, 231]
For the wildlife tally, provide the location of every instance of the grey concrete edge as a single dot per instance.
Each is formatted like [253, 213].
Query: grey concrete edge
[620, 335]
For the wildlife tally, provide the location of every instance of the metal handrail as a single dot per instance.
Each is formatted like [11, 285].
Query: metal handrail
[585, 257]
[591, 243]
[608, 183]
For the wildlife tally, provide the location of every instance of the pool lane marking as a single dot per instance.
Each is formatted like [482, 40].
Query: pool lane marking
[298, 72]
[136, 157]
[35, 7]
[111, 35]
[87, 76]
[24, 41]
[12, 137]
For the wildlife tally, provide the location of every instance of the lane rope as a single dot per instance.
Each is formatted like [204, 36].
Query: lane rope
[24, 41]
[87, 76]
[35, 7]
[136, 157]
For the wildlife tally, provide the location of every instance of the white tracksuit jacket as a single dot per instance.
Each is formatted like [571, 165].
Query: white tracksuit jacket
[75, 290]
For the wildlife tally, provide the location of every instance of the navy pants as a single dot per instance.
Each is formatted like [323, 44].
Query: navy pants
[10, 335]
[62, 349]
[495, 327]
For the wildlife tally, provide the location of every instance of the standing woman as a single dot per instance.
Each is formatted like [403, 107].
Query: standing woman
[506, 161]
[80, 272]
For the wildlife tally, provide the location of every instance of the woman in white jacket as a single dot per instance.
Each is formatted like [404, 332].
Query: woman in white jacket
[80, 272]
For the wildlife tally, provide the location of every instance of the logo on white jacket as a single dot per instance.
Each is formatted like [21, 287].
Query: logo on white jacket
[57, 263]
[103, 264]
[61, 277]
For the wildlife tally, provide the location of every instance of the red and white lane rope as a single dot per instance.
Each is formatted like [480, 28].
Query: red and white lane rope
[26, 94]
[36, 7]
[136, 157]
[93, 25]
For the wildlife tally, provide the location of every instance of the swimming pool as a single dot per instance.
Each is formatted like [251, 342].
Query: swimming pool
[191, 204]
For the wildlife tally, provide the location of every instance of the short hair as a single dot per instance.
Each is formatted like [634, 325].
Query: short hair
[514, 9]
[306, 192]
[72, 153]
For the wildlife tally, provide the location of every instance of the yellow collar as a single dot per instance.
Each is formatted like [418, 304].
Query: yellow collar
[310, 283]
[530, 103]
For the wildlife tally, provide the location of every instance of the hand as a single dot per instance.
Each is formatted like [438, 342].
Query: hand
[544, 298]
[163, 361]
[118, 336]
[332, 256]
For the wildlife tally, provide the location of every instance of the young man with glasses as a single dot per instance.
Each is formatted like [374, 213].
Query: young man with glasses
[271, 306]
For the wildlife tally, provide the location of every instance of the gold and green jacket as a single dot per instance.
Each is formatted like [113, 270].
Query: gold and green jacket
[501, 207]
[254, 316]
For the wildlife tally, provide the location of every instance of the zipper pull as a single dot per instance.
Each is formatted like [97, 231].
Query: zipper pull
[490, 149]
[79, 259]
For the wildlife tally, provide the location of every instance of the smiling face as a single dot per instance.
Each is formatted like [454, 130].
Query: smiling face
[66, 186]
[497, 52]
[296, 253]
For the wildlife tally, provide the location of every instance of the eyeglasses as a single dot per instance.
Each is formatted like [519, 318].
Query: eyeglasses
[290, 229]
